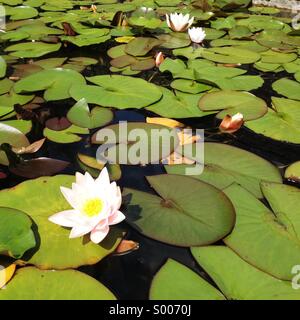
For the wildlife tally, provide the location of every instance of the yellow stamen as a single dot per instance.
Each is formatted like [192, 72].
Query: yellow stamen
[92, 207]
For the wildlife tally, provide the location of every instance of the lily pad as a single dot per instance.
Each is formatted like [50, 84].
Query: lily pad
[230, 55]
[238, 280]
[16, 235]
[68, 135]
[41, 198]
[237, 166]
[33, 284]
[178, 216]
[117, 91]
[32, 49]
[81, 115]
[266, 240]
[141, 46]
[280, 123]
[174, 281]
[233, 102]
[287, 88]
[2, 67]
[189, 86]
[56, 83]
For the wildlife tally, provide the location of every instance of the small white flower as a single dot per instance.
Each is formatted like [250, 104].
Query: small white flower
[179, 22]
[146, 10]
[197, 35]
[95, 203]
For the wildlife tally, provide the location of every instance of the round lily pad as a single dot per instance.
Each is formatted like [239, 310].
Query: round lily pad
[117, 91]
[41, 198]
[175, 281]
[55, 82]
[32, 49]
[16, 235]
[187, 212]
[33, 284]
[233, 102]
[287, 88]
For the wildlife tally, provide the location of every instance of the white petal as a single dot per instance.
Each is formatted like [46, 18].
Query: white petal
[79, 231]
[116, 218]
[80, 179]
[68, 218]
[103, 178]
[69, 196]
[98, 234]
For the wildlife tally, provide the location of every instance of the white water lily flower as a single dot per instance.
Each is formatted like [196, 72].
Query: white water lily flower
[95, 203]
[179, 22]
[197, 35]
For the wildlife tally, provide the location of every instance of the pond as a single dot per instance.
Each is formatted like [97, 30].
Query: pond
[149, 150]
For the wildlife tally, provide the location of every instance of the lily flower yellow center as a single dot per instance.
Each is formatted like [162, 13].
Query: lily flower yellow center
[95, 206]
[92, 207]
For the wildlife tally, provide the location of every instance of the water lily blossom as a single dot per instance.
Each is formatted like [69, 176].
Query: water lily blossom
[231, 124]
[95, 203]
[159, 59]
[179, 22]
[197, 35]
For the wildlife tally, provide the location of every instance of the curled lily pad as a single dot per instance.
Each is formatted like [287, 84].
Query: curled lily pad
[55, 82]
[233, 102]
[33, 284]
[81, 115]
[41, 198]
[68, 135]
[16, 235]
[116, 91]
[175, 216]
[175, 281]
[239, 280]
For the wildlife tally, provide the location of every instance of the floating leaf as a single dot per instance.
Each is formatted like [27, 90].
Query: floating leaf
[69, 135]
[56, 83]
[81, 115]
[32, 49]
[233, 102]
[33, 284]
[41, 198]
[178, 216]
[287, 88]
[237, 165]
[116, 91]
[16, 235]
[2, 67]
[238, 280]
[293, 172]
[174, 281]
[141, 46]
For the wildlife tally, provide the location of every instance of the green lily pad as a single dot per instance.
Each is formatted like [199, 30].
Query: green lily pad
[240, 32]
[242, 83]
[292, 172]
[187, 212]
[16, 235]
[178, 105]
[32, 49]
[149, 23]
[239, 280]
[2, 67]
[212, 34]
[132, 143]
[141, 46]
[5, 84]
[117, 91]
[21, 12]
[233, 102]
[271, 56]
[174, 281]
[240, 166]
[266, 240]
[267, 67]
[189, 86]
[24, 126]
[174, 40]
[230, 55]
[287, 88]
[41, 198]
[81, 115]
[33, 284]
[12, 136]
[68, 135]
[56, 83]
[188, 52]
[280, 123]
